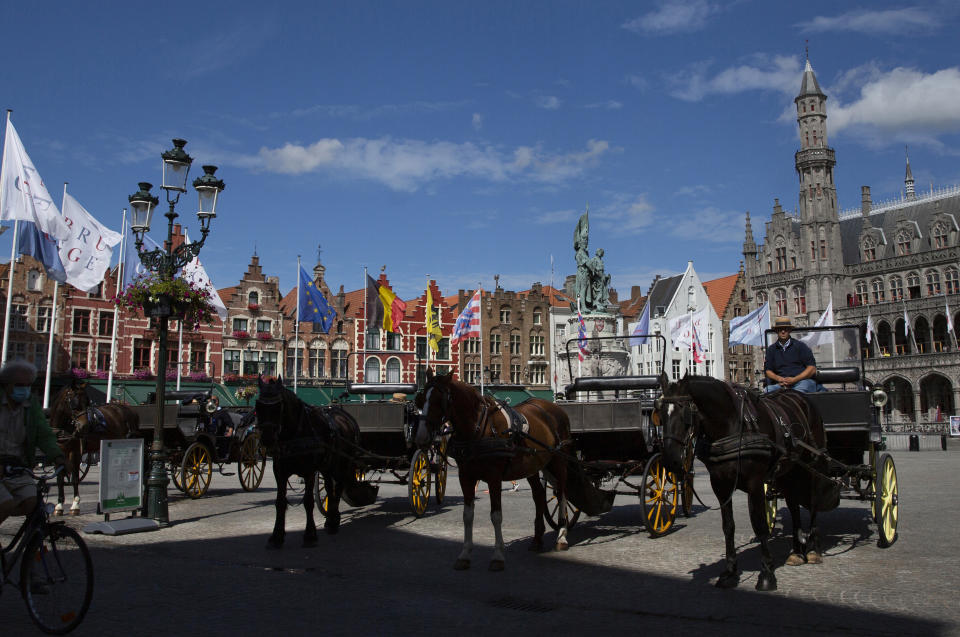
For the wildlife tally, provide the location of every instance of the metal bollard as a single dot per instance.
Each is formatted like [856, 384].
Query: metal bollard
[914, 442]
[943, 441]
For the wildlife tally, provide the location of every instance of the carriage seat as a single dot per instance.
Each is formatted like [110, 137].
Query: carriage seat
[382, 388]
[611, 383]
[837, 375]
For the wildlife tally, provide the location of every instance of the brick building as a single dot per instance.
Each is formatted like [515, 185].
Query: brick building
[253, 334]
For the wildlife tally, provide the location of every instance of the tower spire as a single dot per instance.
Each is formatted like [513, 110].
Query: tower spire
[908, 180]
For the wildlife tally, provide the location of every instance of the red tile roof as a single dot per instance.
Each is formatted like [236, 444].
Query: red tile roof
[720, 290]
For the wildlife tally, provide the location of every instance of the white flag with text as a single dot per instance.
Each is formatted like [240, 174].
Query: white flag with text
[87, 251]
[749, 329]
[25, 198]
[196, 274]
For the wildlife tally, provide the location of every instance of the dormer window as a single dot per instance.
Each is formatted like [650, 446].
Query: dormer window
[903, 243]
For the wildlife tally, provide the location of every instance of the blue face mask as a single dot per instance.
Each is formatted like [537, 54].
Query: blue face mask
[20, 394]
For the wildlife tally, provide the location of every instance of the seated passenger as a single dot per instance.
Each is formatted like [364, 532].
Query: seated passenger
[221, 425]
[789, 363]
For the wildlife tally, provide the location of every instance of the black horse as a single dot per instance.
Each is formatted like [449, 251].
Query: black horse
[304, 439]
[747, 440]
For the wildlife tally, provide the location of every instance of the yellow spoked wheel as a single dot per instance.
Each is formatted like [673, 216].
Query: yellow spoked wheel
[886, 499]
[253, 461]
[418, 482]
[770, 507]
[553, 508]
[176, 475]
[658, 497]
[197, 470]
[320, 492]
[440, 460]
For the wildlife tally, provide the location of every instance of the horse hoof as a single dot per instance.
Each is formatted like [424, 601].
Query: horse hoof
[461, 564]
[561, 546]
[814, 558]
[74, 511]
[795, 559]
[728, 580]
[495, 565]
[766, 582]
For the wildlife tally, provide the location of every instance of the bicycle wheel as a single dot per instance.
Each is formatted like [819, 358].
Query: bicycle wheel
[56, 579]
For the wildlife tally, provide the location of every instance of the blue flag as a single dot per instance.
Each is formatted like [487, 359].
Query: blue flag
[42, 248]
[643, 327]
[132, 268]
[313, 306]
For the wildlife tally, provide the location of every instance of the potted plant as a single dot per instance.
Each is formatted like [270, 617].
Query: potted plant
[240, 334]
[142, 374]
[253, 306]
[174, 299]
[264, 336]
[245, 393]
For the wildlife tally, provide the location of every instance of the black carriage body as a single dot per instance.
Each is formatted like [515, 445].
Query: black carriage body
[612, 430]
[386, 430]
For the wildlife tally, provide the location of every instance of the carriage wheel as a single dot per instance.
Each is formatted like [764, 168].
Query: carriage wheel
[553, 508]
[440, 459]
[418, 482]
[771, 506]
[320, 492]
[296, 488]
[197, 470]
[253, 461]
[886, 500]
[658, 497]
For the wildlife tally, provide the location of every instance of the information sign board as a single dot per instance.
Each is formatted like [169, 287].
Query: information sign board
[121, 475]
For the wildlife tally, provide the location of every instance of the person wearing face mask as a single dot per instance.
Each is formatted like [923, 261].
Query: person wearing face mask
[23, 429]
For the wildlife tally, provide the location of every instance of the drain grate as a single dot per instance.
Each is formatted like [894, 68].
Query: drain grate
[513, 603]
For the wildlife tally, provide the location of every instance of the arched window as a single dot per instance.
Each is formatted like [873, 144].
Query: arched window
[869, 249]
[896, 289]
[799, 301]
[34, 281]
[903, 242]
[371, 371]
[862, 298]
[393, 370]
[913, 285]
[933, 283]
[939, 235]
[338, 358]
[761, 298]
[780, 296]
[823, 243]
[952, 279]
[878, 294]
[253, 299]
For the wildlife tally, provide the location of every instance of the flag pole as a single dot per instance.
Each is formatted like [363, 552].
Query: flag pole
[480, 324]
[363, 333]
[119, 280]
[296, 332]
[53, 314]
[579, 354]
[429, 315]
[13, 255]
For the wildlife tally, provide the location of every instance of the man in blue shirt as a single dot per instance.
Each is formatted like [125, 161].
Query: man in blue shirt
[789, 363]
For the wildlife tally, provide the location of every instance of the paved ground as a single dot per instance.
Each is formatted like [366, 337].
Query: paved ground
[389, 573]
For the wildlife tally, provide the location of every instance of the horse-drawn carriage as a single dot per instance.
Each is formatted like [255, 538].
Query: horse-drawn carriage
[193, 447]
[387, 450]
[617, 447]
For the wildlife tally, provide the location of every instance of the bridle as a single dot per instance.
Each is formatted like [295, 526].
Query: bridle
[688, 411]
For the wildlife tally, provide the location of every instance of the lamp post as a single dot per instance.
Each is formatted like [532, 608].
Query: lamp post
[165, 261]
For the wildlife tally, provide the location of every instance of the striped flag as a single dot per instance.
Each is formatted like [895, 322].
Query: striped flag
[581, 337]
[468, 323]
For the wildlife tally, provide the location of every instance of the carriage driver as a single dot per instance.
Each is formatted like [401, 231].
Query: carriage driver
[789, 363]
[23, 428]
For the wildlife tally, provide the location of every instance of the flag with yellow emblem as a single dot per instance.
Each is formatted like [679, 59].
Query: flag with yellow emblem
[313, 306]
[434, 334]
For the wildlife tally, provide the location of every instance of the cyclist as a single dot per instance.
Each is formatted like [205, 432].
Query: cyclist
[23, 428]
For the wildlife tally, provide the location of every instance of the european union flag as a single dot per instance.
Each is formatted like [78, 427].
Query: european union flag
[313, 306]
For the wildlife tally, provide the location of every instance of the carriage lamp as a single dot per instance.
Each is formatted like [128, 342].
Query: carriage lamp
[165, 261]
[878, 397]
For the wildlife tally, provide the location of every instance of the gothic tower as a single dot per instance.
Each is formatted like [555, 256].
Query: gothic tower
[819, 218]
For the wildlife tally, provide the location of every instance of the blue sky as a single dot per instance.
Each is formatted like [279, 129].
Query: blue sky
[464, 139]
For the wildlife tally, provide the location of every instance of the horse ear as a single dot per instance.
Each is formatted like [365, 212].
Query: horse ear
[664, 382]
[429, 374]
[260, 380]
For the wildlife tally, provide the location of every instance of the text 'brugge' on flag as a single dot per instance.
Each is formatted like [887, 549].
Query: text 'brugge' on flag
[468, 323]
[313, 307]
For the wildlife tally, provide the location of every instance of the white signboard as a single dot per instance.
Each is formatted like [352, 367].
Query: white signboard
[121, 475]
[955, 426]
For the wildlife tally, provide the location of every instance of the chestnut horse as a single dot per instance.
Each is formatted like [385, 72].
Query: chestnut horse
[746, 441]
[303, 439]
[487, 448]
[80, 427]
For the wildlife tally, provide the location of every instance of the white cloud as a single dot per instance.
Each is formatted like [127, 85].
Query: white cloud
[887, 22]
[674, 16]
[625, 214]
[779, 73]
[408, 164]
[549, 102]
[636, 81]
[610, 105]
[477, 121]
[558, 216]
[708, 225]
[905, 99]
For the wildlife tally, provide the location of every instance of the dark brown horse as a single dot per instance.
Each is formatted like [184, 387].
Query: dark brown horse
[487, 448]
[304, 439]
[80, 427]
[746, 441]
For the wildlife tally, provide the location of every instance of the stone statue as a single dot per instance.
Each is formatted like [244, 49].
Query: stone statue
[592, 283]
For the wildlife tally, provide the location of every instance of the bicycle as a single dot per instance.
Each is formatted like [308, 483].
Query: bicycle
[56, 572]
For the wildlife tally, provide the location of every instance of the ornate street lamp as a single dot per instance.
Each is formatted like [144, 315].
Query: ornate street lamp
[165, 261]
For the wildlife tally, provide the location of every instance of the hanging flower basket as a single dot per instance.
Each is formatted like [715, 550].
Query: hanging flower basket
[175, 299]
[264, 336]
[240, 334]
[253, 307]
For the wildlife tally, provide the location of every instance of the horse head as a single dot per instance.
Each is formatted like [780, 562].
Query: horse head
[70, 407]
[270, 408]
[433, 403]
[676, 412]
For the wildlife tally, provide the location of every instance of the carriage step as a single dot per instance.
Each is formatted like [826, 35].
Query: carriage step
[227, 473]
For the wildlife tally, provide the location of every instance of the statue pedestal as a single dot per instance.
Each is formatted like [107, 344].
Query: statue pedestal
[606, 358]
